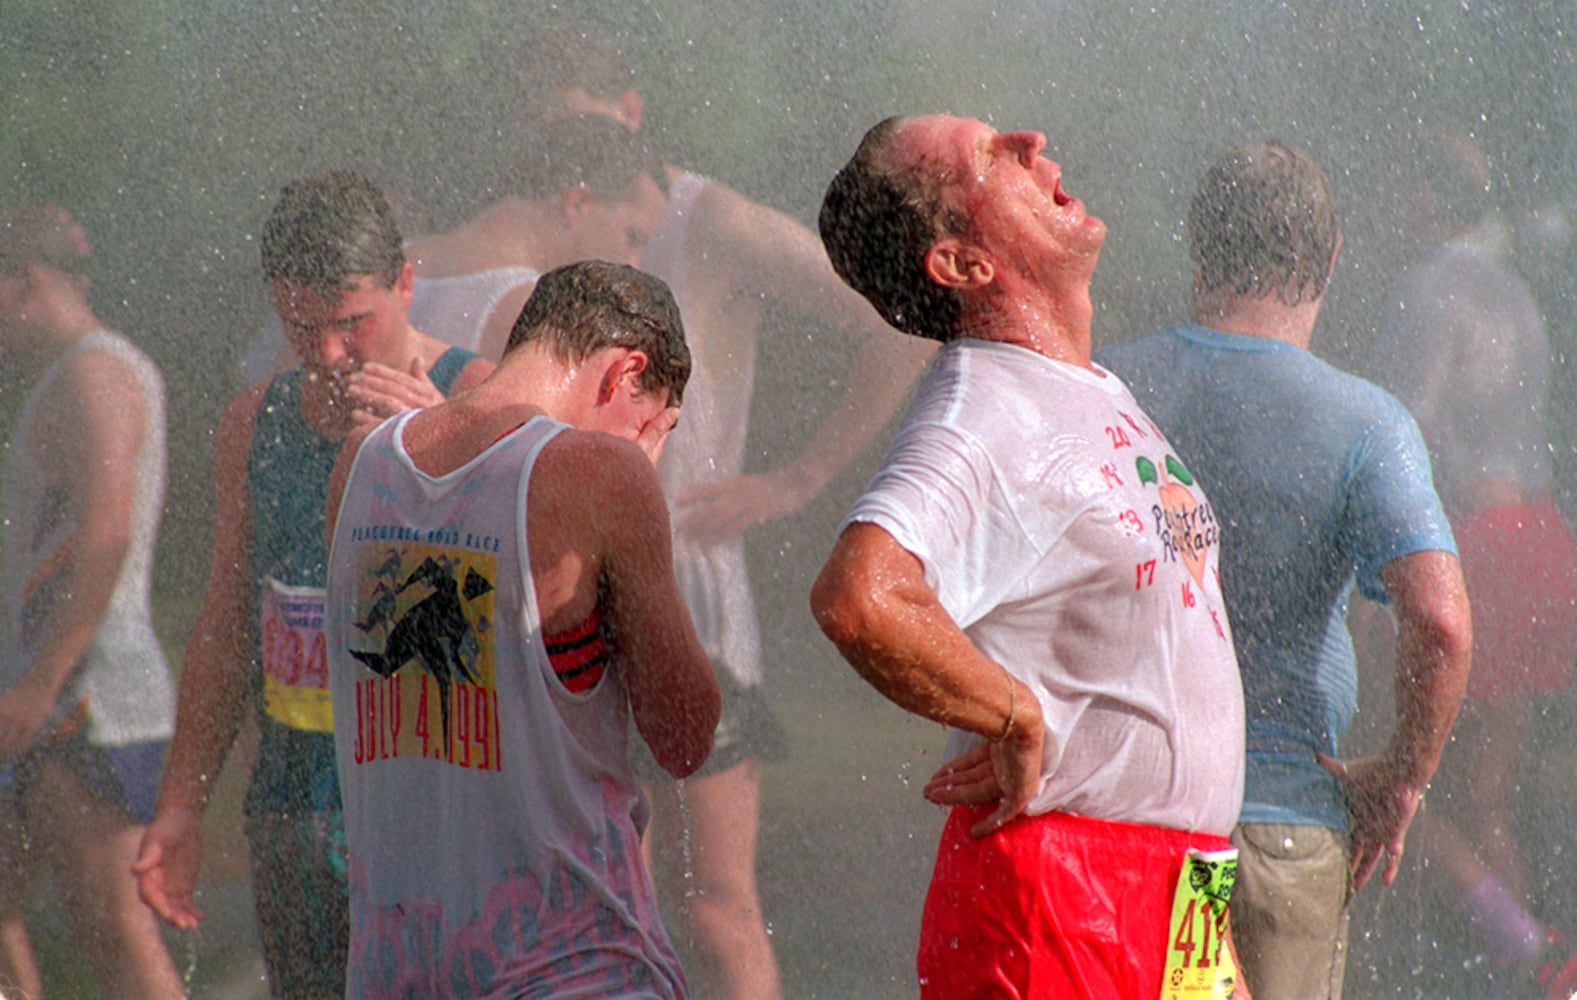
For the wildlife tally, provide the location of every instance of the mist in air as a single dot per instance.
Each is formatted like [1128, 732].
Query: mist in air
[168, 128]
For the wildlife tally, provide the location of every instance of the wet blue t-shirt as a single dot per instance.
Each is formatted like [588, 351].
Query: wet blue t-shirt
[1318, 479]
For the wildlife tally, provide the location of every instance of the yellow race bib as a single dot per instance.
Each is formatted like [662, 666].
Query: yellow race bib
[1199, 966]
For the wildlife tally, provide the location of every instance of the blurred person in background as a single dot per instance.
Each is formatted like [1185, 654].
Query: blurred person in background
[1463, 345]
[727, 259]
[87, 701]
[584, 188]
[341, 285]
[1320, 481]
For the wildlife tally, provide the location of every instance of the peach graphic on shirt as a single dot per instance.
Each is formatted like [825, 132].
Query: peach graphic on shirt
[1184, 519]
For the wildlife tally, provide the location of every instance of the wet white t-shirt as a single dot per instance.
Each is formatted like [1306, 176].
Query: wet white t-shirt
[1065, 536]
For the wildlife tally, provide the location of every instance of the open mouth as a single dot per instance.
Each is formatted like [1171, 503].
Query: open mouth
[1060, 197]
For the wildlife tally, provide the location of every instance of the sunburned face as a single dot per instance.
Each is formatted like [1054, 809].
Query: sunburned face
[335, 334]
[1008, 191]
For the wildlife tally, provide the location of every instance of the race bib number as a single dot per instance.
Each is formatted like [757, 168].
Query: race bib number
[295, 657]
[1199, 965]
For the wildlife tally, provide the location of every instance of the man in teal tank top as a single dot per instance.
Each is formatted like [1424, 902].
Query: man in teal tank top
[341, 285]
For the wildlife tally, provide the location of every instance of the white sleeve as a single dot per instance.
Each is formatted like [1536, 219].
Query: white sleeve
[934, 496]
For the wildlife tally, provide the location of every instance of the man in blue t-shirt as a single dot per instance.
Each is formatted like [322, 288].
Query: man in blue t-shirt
[1318, 479]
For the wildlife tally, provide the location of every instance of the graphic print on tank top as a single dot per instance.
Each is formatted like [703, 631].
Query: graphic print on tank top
[423, 627]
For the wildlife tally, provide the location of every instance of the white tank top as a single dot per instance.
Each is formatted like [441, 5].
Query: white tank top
[707, 445]
[123, 682]
[455, 309]
[491, 813]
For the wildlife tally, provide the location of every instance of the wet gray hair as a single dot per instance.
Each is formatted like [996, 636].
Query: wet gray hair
[1263, 223]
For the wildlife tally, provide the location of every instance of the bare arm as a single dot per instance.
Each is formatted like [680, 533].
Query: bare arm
[215, 685]
[92, 431]
[1433, 646]
[872, 601]
[672, 686]
[769, 255]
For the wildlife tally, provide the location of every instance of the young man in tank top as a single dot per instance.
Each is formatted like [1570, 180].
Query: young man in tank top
[87, 701]
[341, 286]
[502, 604]
[730, 261]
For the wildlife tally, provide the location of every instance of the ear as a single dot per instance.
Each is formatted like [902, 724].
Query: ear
[631, 110]
[405, 284]
[621, 375]
[959, 264]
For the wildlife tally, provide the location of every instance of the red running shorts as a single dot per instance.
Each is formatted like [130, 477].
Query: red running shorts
[1051, 906]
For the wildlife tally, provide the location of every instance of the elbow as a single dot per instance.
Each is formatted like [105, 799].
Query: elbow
[1451, 628]
[687, 746]
[680, 764]
[1446, 632]
[840, 609]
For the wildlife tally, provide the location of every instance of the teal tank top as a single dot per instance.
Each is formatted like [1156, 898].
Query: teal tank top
[288, 468]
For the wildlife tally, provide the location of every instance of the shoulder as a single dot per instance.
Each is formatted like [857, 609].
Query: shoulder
[723, 215]
[1345, 393]
[598, 474]
[104, 372]
[1135, 351]
[595, 456]
[239, 418]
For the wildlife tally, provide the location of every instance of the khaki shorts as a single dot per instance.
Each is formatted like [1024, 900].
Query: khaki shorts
[1289, 909]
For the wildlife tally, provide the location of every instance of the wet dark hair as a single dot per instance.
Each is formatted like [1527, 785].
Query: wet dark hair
[590, 150]
[1263, 223]
[327, 229]
[589, 306]
[878, 225]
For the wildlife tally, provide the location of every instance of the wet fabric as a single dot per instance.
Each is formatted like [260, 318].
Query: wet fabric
[123, 684]
[708, 444]
[1064, 534]
[1051, 906]
[126, 777]
[456, 309]
[1309, 505]
[493, 819]
[1289, 909]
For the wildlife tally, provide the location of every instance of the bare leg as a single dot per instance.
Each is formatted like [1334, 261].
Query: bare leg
[19, 976]
[1492, 768]
[90, 846]
[718, 903]
[1499, 916]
